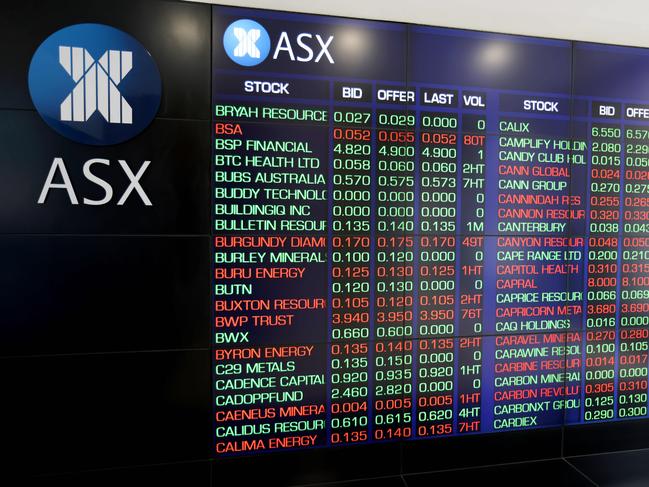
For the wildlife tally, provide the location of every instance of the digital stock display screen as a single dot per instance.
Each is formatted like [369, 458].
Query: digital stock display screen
[421, 232]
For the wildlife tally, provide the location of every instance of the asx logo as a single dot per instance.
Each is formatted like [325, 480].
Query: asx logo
[247, 43]
[94, 84]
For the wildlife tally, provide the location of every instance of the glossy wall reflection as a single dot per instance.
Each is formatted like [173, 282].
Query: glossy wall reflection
[394, 198]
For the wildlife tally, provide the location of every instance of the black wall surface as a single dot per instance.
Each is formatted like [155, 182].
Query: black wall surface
[104, 332]
[105, 312]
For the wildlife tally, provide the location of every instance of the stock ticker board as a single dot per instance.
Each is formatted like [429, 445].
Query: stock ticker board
[421, 232]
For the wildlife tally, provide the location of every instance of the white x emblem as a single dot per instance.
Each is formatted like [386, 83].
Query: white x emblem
[247, 42]
[96, 85]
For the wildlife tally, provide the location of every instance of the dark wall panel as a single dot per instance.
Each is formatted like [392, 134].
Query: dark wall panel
[70, 413]
[603, 437]
[310, 466]
[167, 475]
[103, 294]
[177, 34]
[104, 328]
[176, 181]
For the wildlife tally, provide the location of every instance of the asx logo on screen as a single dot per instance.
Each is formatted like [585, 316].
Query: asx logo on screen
[94, 84]
[247, 43]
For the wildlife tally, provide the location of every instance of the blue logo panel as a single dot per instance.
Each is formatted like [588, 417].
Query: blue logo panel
[246, 42]
[94, 84]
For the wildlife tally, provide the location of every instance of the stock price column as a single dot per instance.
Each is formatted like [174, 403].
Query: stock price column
[437, 164]
[351, 280]
[394, 262]
[634, 273]
[603, 244]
